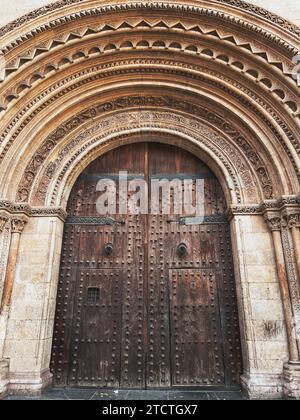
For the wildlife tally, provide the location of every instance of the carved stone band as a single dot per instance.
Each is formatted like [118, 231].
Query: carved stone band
[10, 209]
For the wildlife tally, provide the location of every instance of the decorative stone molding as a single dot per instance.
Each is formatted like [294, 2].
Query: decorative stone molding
[147, 41]
[74, 123]
[158, 6]
[148, 124]
[24, 82]
[49, 212]
[259, 82]
[11, 209]
[18, 224]
[282, 204]
[294, 220]
[252, 157]
[274, 221]
[3, 220]
[244, 210]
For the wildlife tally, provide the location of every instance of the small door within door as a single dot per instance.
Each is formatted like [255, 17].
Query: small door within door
[146, 300]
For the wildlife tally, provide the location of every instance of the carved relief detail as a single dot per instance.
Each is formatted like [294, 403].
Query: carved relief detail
[12, 209]
[3, 220]
[274, 222]
[273, 18]
[148, 120]
[183, 47]
[127, 102]
[270, 111]
[293, 220]
[18, 224]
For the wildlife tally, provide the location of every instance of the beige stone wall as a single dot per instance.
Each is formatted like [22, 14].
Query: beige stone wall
[13, 9]
[267, 123]
[30, 325]
[261, 313]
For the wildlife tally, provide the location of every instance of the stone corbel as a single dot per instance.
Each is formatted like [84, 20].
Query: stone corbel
[18, 223]
[274, 220]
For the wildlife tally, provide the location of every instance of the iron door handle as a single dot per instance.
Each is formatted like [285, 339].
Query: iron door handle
[108, 249]
[182, 249]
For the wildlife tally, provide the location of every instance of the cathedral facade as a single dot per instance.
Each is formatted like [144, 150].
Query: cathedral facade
[171, 89]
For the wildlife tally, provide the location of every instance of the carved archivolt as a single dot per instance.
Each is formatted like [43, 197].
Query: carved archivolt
[149, 62]
[106, 47]
[216, 50]
[8, 132]
[256, 10]
[227, 128]
[136, 126]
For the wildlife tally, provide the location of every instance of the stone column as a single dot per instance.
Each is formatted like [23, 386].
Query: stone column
[3, 254]
[4, 364]
[263, 335]
[30, 325]
[275, 223]
[17, 225]
[293, 220]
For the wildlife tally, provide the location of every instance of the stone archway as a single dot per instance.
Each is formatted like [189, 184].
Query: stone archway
[217, 78]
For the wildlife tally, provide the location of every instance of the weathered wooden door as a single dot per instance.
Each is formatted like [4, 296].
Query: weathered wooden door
[146, 300]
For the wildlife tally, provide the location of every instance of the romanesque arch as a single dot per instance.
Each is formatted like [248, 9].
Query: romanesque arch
[216, 78]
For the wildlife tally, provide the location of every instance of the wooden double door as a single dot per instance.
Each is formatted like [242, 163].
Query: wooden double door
[144, 300]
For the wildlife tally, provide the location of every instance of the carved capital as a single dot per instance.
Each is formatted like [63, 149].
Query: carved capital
[274, 221]
[293, 220]
[3, 220]
[18, 223]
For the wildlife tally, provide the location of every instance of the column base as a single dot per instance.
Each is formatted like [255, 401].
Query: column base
[262, 386]
[291, 376]
[4, 381]
[29, 384]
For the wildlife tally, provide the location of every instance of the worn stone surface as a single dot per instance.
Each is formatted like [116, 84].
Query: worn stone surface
[234, 104]
[92, 394]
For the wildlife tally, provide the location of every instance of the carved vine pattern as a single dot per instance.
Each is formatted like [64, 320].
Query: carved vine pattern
[73, 123]
[121, 138]
[284, 127]
[111, 125]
